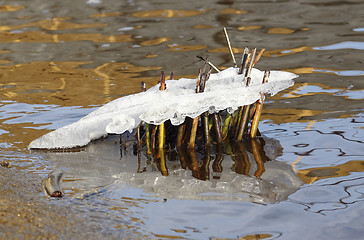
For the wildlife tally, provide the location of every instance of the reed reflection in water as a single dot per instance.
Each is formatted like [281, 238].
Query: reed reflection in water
[243, 171]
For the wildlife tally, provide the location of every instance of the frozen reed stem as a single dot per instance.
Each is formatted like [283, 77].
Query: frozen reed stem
[229, 45]
[200, 87]
[146, 125]
[258, 110]
[161, 126]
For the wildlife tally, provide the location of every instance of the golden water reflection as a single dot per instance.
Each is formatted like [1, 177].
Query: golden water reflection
[108, 14]
[57, 23]
[246, 28]
[70, 83]
[311, 175]
[232, 11]
[185, 48]
[62, 37]
[154, 42]
[168, 13]
[278, 30]
[10, 8]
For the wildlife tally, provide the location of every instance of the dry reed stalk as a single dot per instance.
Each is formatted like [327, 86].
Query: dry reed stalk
[161, 126]
[259, 56]
[258, 110]
[229, 45]
[243, 123]
[244, 111]
[200, 87]
[247, 74]
[191, 142]
[244, 60]
[212, 65]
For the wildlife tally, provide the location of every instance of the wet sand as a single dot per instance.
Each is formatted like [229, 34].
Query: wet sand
[25, 213]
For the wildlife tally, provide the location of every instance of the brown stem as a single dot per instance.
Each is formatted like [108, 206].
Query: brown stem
[248, 71]
[244, 60]
[258, 110]
[243, 123]
[217, 128]
[259, 56]
[206, 127]
[191, 143]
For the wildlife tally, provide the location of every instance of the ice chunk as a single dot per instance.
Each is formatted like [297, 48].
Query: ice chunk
[223, 90]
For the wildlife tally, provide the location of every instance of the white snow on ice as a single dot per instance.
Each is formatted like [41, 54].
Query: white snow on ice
[224, 90]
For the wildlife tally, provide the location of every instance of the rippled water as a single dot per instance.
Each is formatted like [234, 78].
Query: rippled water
[61, 60]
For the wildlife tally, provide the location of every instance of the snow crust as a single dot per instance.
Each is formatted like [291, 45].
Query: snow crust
[224, 90]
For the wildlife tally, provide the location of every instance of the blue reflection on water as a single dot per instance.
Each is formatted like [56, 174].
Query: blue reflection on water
[342, 45]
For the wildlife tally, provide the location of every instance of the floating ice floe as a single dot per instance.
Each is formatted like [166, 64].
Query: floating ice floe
[224, 90]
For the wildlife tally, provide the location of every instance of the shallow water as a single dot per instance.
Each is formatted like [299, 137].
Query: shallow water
[60, 61]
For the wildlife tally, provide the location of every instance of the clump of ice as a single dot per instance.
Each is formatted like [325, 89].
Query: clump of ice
[275, 185]
[224, 90]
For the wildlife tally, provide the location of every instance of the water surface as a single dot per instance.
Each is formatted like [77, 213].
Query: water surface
[61, 60]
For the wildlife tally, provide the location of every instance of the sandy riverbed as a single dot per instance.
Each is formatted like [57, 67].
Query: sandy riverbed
[25, 213]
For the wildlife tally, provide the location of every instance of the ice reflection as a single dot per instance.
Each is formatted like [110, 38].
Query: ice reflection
[245, 171]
